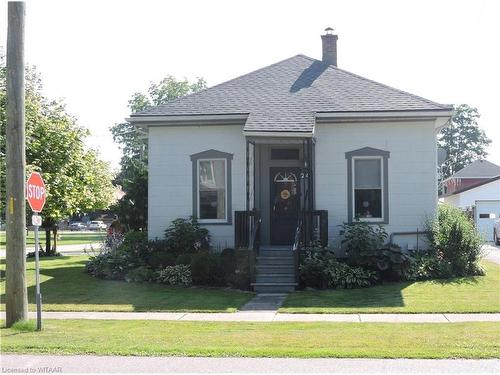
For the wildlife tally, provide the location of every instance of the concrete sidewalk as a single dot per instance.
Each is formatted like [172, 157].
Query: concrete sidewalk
[272, 316]
[13, 363]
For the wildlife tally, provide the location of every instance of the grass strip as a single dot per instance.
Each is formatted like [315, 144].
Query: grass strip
[230, 339]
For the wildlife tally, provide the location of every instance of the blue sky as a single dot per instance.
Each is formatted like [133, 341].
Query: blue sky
[94, 55]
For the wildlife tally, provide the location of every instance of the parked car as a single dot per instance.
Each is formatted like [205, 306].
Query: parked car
[77, 226]
[97, 225]
[496, 232]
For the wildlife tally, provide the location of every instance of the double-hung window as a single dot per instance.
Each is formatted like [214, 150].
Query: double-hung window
[367, 181]
[212, 187]
[368, 188]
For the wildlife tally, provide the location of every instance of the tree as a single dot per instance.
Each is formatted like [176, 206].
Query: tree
[76, 179]
[133, 177]
[463, 140]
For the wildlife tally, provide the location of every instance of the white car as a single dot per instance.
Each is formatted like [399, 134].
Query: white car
[496, 232]
[97, 225]
[77, 226]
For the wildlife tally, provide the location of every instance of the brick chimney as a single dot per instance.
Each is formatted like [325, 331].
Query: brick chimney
[329, 47]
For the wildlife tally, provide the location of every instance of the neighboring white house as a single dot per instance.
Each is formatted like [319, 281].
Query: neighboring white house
[483, 198]
[301, 145]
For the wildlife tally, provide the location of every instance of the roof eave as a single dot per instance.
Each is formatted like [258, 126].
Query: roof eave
[378, 116]
[188, 120]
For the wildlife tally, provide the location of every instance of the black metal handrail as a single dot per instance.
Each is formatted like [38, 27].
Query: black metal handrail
[296, 247]
[298, 235]
[247, 235]
[255, 244]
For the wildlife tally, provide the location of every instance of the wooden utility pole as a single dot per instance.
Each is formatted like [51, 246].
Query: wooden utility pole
[15, 289]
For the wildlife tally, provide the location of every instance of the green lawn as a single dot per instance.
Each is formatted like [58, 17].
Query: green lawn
[357, 340]
[459, 295]
[66, 287]
[65, 238]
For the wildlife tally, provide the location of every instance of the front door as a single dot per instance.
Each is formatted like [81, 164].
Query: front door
[285, 204]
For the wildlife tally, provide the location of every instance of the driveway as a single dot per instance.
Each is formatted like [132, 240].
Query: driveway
[492, 252]
[114, 364]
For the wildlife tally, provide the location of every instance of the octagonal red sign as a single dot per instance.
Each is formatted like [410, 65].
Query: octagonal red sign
[36, 192]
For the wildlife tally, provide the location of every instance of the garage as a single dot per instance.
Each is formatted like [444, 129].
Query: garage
[486, 213]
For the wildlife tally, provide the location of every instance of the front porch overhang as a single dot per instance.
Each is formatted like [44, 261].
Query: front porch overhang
[275, 136]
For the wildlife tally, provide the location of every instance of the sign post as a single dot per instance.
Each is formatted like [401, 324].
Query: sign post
[36, 195]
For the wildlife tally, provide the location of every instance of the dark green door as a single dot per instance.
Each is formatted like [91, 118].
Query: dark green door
[285, 204]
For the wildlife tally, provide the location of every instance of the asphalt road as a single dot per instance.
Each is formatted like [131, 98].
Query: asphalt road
[116, 364]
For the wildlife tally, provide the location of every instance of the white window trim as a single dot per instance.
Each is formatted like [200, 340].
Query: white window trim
[382, 187]
[211, 221]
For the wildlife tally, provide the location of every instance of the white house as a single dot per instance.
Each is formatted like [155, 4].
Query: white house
[290, 152]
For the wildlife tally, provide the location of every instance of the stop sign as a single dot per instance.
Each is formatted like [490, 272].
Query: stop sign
[35, 191]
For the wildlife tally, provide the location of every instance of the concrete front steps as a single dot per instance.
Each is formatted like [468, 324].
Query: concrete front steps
[275, 271]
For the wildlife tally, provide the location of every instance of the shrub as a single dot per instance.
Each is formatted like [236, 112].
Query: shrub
[179, 274]
[343, 276]
[111, 265]
[140, 274]
[362, 241]
[320, 269]
[135, 243]
[455, 241]
[159, 259]
[183, 259]
[206, 269]
[425, 265]
[365, 247]
[228, 261]
[186, 236]
[240, 279]
[312, 268]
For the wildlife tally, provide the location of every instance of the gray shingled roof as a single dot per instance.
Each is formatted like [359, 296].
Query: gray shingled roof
[285, 96]
[477, 169]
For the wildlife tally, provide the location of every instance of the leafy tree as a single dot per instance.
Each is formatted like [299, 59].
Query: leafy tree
[463, 141]
[76, 179]
[133, 177]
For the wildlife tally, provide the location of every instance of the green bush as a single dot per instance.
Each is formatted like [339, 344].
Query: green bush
[179, 274]
[186, 236]
[183, 259]
[343, 276]
[425, 265]
[313, 265]
[240, 279]
[228, 261]
[206, 269]
[362, 241]
[365, 247]
[320, 269]
[159, 259]
[111, 265]
[455, 242]
[140, 274]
